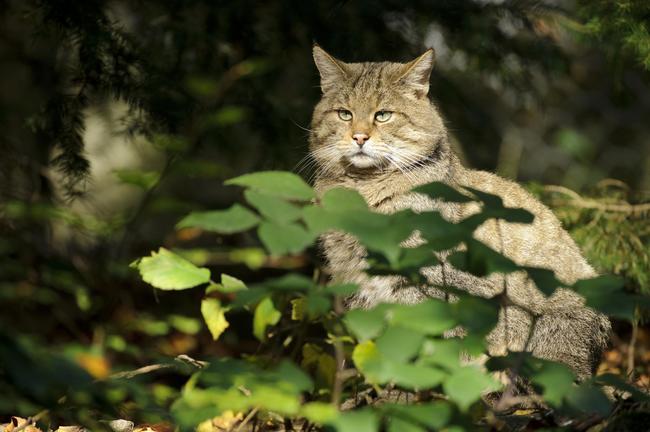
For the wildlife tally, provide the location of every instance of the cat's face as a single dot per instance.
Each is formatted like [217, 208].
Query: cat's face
[373, 116]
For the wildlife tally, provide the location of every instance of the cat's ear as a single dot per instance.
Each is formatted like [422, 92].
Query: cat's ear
[416, 73]
[331, 70]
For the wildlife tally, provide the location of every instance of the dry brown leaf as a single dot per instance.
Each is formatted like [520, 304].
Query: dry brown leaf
[156, 427]
[17, 422]
[121, 425]
[227, 420]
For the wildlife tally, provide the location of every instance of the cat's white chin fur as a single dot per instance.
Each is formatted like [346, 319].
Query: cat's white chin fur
[362, 160]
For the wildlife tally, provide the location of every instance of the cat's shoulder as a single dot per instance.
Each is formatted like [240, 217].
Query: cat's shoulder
[512, 193]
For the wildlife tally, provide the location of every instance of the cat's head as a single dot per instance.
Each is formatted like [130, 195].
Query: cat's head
[373, 115]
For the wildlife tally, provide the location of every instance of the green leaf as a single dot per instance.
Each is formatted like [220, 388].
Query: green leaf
[233, 220]
[477, 315]
[418, 257]
[318, 220]
[399, 344]
[253, 258]
[341, 290]
[290, 282]
[319, 363]
[284, 239]
[603, 283]
[226, 116]
[228, 285]
[432, 317]
[341, 200]
[434, 415]
[588, 399]
[442, 191]
[173, 143]
[185, 324]
[480, 260]
[606, 294]
[277, 183]
[202, 86]
[409, 263]
[142, 179]
[249, 297]
[378, 369]
[396, 424]
[167, 271]
[364, 354]
[357, 421]
[265, 315]
[317, 304]
[366, 323]
[378, 232]
[466, 385]
[544, 279]
[227, 384]
[442, 352]
[411, 376]
[556, 381]
[440, 233]
[214, 316]
[231, 284]
[319, 412]
[273, 208]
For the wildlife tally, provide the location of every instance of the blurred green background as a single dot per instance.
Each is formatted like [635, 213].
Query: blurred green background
[119, 117]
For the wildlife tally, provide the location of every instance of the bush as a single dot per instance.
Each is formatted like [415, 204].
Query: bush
[302, 370]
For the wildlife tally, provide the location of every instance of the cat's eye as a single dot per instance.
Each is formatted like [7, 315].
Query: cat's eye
[383, 116]
[344, 115]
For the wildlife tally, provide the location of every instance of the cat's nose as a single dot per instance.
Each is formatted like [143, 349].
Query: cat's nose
[360, 138]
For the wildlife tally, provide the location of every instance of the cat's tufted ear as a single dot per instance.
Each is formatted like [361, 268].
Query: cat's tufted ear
[331, 70]
[416, 73]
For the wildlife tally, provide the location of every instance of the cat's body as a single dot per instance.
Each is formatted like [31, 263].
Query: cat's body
[375, 131]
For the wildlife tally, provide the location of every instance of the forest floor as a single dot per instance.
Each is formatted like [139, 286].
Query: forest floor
[629, 354]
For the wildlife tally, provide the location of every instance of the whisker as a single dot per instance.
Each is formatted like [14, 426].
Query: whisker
[301, 127]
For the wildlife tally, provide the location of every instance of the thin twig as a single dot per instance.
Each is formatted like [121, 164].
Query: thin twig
[507, 396]
[579, 201]
[339, 378]
[247, 419]
[134, 219]
[140, 371]
[154, 367]
[631, 350]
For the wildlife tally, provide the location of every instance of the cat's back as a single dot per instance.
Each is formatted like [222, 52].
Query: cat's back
[544, 243]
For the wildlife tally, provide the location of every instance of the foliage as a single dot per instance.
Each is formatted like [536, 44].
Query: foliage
[398, 346]
[611, 229]
[625, 21]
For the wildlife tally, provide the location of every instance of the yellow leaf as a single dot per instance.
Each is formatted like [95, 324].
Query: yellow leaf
[97, 366]
[298, 309]
[214, 316]
[227, 420]
[364, 353]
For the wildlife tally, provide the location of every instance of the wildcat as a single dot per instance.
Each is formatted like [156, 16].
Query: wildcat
[376, 131]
